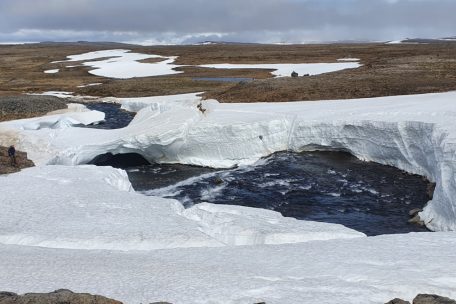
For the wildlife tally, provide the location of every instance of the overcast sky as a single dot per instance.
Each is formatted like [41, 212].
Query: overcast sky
[190, 21]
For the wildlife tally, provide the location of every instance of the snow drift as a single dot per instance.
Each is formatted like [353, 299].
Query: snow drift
[88, 207]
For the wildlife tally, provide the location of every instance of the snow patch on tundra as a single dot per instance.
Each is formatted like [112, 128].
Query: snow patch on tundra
[124, 64]
[53, 71]
[285, 69]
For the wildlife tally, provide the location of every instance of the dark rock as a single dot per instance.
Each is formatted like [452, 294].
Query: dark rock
[398, 301]
[61, 296]
[415, 211]
[21, 161]
[432, 299]
[416, 220]
[430, 190]
[294, 74]
[218, 181]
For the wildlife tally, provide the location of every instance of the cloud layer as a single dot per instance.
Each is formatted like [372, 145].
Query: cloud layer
[189, 21]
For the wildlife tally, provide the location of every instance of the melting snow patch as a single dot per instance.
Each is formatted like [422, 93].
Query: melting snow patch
[285, 70]
[51, 71]
[89, 85]
[348, 59]
[124, 64]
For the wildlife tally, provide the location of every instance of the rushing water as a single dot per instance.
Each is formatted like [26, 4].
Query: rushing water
[115, 118]
[331, 187]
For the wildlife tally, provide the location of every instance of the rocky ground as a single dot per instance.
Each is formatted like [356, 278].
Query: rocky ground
[5, 162]
[25, 106]
[425, 299]
[65, 296]
[57, 297]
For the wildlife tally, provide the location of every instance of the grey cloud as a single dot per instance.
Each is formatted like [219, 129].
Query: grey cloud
[242, 20]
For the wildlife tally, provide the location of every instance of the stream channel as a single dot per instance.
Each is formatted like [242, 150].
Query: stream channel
[332, 187]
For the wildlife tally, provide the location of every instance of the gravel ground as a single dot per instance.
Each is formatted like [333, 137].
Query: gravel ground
[24, 106]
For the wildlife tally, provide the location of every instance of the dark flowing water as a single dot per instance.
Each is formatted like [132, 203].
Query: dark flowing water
[332, 187]
[115, 118]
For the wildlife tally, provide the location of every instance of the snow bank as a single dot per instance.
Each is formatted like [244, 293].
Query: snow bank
[365, 270]
[88, 207]
[135, 104]
[75, 114]
[247, 226]
[285, 70]
[416, 133]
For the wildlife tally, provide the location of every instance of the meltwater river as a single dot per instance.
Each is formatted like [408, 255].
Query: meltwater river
[332, 187]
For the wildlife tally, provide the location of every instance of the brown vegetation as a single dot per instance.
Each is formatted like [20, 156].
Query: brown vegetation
[388, 70]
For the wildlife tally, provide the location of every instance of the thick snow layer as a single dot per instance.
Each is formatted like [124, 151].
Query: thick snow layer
[285, 70]
[363, 270]
[88, 207]
[124, 64]
[135, 104]
[416, 133]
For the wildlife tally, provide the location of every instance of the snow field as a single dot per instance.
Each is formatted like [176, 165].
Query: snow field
[362, 270]
[124, 64]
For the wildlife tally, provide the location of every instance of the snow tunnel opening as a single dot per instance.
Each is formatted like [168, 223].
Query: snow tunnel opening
[120, 161]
